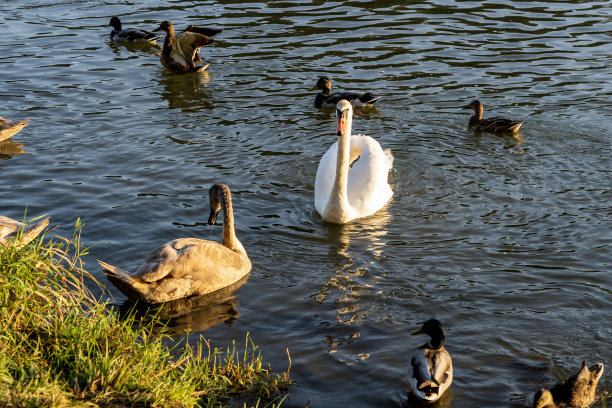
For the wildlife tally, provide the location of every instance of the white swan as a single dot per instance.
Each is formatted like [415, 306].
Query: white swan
[188, 266]
[9, 229]
[352, 177]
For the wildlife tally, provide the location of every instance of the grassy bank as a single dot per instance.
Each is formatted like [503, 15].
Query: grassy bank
[61, 347]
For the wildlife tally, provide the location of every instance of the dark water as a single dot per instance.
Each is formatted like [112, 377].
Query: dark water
[505, 240]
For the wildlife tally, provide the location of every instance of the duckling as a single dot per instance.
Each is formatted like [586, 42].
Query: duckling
[180, 52]
[130, 34]
[578, 391]
[326, 99]
[9, 229]
[492, 125]
[431, 368]
[188, 267]
[8, 128]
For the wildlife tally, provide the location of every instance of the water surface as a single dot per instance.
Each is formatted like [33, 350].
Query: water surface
[505, 240]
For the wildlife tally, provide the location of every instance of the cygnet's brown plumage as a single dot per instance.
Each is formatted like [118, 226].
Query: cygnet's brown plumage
[578, 391]
[9, 229]
[496, 124]
[180, 52]
[8, 128]
[188, 266]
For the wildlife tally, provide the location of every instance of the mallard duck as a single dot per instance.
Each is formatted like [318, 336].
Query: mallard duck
[431, 368]
[10, 229]
[352, 177]
[8, 128]
[130, 34]
[578, 391]
[326, 99]
[180, 52]
[493, 125]
[188, 266]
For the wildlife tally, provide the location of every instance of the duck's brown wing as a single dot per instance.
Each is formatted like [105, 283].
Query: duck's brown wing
[188, 43]
[500, 125]
[208, 31]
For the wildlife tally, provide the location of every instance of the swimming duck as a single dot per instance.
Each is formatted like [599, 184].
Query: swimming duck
[130, 34]
[10, 228]
[352, 177]
[8, 128]
[326, 99]
[578, 391]
[431, 368]
[188, 266]
[180, 52]
[493, 125]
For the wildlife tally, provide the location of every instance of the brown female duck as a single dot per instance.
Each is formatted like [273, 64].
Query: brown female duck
[180, 52]
[578, 391]
[188, 266]
[8, 128]
[497, 125]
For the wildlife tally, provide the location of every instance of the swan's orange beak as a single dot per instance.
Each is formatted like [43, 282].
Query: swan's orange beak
[341, 129]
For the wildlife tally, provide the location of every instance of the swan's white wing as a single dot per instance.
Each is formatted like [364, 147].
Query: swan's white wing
[368, 185]
[324, 181]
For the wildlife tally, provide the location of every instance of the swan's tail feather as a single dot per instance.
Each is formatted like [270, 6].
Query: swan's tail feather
[33, 229]
[8, 129]
[128, 285]
[389, 157]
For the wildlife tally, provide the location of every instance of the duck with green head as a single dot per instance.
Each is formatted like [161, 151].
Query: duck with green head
[431, 369]
[327, 99]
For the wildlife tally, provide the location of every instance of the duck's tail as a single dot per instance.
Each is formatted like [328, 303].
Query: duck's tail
[515, 128]
[368, 98]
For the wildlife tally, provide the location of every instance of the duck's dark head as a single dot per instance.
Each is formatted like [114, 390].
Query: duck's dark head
[542, 399]
[165, 26]
[475, 105]
[434, 329]
[324, 84]
[115, 23]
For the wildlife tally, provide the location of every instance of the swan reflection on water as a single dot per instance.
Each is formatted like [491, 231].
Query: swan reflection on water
[192, 314]
[10, 148]
[355, 246]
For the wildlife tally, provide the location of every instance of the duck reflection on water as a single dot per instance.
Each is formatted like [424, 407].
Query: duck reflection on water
[187, 92]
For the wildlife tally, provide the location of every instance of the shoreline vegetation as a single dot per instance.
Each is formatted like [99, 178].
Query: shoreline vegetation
[62, 347]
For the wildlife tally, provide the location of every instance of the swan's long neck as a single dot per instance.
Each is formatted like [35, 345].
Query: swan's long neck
[229, 235]
[338, 199]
